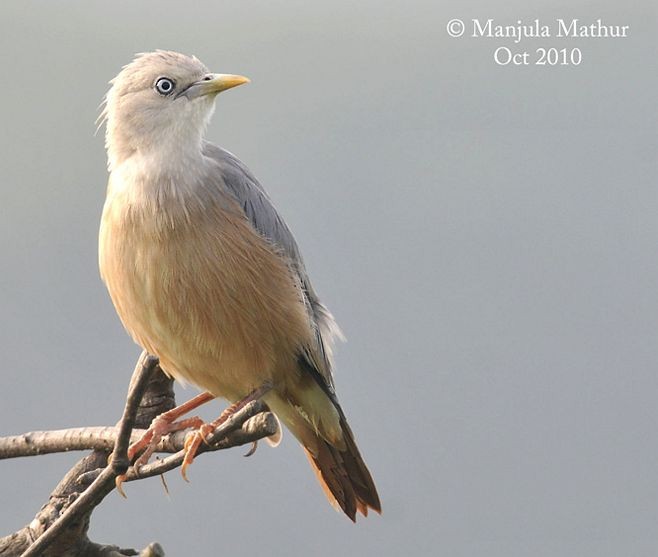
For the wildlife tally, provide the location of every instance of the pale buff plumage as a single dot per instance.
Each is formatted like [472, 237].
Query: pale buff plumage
[204, 274]
[167, 294]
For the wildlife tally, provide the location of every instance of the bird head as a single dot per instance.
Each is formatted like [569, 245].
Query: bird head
[160, 101]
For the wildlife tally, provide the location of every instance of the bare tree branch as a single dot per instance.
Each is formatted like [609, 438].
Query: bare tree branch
[34, 443]
[254, 425]
[91, 479]
[119, 463]
[253, 421]
[102, 438]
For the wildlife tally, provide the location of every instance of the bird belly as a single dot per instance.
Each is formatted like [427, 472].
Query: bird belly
[206, 294]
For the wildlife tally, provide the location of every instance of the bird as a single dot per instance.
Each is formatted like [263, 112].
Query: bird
[205, 274]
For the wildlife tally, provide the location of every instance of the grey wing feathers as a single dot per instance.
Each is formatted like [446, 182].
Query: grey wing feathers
[266, 220]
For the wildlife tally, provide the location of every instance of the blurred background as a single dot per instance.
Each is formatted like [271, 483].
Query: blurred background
[485, 235]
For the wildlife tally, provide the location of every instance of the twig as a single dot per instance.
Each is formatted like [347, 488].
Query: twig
[102, 438]
[255, 423]
[262, 424]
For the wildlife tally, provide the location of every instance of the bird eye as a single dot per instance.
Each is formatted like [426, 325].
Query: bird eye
[164, 85]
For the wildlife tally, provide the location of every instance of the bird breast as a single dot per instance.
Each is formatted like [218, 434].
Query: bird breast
[196, 285]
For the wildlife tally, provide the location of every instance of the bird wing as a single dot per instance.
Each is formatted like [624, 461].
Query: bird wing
[263, 216]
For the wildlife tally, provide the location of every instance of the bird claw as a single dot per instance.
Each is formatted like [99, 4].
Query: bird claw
[118, 481]
[252, 449]
[192, 443]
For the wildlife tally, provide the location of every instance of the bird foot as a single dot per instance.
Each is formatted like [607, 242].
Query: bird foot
[148, 444]
[193, 440]
[162, 425]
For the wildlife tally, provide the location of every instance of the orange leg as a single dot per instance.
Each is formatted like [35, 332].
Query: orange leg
[165, 423]
[193, 441]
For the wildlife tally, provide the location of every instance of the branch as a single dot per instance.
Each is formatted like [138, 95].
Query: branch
[102, 438]
[119, 463]
[34, 443]
[251, 423]
[247, 425]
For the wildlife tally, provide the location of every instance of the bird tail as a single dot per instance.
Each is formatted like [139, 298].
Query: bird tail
[344, 476]
[333, 454]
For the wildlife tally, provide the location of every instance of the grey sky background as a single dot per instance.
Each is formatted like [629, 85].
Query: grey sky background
[486, 237]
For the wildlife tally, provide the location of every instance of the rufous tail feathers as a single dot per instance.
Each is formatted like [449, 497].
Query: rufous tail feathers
[320, 426]
[343, 475]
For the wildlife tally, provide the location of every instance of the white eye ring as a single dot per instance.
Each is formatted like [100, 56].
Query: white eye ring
[164, 85]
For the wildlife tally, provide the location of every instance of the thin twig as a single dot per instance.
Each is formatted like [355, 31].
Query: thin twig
[102, 438]
[257, 424]
[251, 428]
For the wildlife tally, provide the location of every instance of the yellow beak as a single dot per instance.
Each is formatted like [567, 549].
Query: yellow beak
[218, 82]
